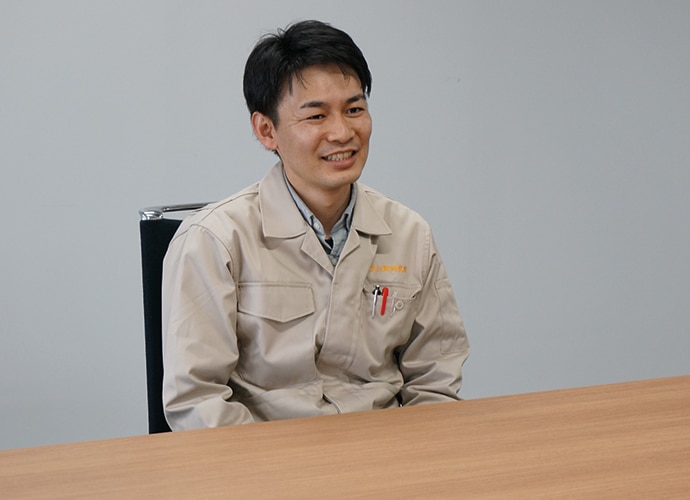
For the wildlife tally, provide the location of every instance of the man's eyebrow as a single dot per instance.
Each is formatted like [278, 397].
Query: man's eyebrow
[312, 104]
[356, 97]
[321, 104]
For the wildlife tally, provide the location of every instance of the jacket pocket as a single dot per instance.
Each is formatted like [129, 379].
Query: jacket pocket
[401, 296]
[382, 331]
[275, 334]
[281, 302]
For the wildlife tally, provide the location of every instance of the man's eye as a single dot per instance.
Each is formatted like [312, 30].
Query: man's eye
[316, 117]
[354, 111]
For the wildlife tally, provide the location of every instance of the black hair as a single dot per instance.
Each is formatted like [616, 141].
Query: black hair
[279, 57]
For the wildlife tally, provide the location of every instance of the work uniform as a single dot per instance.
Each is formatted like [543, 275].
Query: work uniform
[259, 325]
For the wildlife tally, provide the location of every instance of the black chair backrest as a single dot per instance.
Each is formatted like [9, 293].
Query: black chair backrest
[156, 233]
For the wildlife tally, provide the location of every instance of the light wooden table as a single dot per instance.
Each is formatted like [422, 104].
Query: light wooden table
[628, 440]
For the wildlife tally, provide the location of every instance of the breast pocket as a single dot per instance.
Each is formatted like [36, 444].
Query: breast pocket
[386, 325]
[275, 325]
[392, 299]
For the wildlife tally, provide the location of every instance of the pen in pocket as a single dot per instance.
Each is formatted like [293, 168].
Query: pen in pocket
[384, 300]
[376, 293]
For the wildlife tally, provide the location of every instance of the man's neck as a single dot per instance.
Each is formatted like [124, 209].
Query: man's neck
[328, 209]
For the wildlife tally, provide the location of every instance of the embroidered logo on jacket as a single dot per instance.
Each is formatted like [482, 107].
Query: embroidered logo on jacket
[395, 268]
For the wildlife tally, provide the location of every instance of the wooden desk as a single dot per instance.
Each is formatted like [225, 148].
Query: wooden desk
[614, 441]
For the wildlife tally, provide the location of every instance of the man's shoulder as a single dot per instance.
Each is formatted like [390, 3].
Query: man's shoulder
[218, 215]
[381, 199]
[234, 203]
[391, 209]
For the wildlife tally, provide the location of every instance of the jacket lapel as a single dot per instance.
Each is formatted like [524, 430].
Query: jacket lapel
[281, 219]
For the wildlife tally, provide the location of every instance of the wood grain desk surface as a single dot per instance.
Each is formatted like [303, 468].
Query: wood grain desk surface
[629, 440]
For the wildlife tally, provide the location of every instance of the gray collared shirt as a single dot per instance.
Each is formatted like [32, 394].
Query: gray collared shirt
[334, 245]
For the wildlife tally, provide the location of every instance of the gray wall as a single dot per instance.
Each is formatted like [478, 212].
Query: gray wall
[546, 143]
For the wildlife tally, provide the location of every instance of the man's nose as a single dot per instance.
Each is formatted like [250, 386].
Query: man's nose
[341, 129]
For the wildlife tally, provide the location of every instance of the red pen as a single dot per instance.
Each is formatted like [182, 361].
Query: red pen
[384, 297]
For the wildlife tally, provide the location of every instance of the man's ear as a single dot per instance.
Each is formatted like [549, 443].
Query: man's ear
[264, 130]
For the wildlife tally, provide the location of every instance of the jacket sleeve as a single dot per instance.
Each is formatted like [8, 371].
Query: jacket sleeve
[431, 362]
[200, 348]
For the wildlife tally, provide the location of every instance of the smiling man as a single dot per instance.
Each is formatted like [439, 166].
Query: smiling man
[307, 293]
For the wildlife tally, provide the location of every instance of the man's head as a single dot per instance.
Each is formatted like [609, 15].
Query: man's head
[280, 58]
[307, 89]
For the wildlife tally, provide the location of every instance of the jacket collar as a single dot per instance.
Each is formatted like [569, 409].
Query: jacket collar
[367, 219]
[281, 217]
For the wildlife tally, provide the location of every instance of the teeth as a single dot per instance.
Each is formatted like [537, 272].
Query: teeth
[339, 156]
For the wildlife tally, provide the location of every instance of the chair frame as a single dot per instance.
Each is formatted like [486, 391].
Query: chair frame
[156, 231]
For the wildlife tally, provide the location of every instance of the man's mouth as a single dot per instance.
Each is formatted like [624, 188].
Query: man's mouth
[340, 156]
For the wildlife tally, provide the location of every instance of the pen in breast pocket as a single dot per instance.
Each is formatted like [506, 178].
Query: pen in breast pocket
[384, 299]
[376, 293]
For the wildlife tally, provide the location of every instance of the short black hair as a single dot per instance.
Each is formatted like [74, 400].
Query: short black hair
[279, 57]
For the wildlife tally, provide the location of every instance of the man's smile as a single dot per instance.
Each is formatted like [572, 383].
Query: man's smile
[339, 156]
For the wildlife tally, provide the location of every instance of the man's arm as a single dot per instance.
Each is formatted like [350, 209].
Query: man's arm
[199, 338]
[431, 362]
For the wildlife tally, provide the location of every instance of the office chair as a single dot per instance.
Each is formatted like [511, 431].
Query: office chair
[156, 233]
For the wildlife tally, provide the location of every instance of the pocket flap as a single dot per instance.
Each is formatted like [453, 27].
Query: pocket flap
[280, 302]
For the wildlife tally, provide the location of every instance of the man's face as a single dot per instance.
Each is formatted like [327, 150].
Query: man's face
[323, 132]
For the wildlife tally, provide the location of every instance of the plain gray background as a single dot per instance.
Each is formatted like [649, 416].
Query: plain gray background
[547, 143]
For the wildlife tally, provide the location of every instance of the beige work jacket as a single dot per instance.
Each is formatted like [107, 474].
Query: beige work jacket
[259, 325]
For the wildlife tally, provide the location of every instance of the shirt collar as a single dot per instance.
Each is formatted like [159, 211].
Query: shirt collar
[345, 220]
[281, 222]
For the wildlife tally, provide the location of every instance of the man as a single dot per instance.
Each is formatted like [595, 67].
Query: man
[307, 293]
